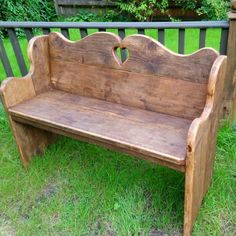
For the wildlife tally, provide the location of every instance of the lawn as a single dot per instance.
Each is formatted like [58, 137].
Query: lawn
[81, 189]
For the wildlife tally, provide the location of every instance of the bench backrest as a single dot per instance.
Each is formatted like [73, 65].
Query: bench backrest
[152, 78]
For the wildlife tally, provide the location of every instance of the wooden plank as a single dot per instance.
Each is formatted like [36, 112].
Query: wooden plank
[85, 3]
[29, 33]
[134, 153]
[122, 126]
[161, 36]
[201, 146]
[181, 41]
[158, 105]
[17, 51]
[30, 141]
[150, 92]
[229, 109]
[40, 69]
[102, 76]
[97, 50]
[10, 91]
[56, 7]
[202, 38]
[5, 61]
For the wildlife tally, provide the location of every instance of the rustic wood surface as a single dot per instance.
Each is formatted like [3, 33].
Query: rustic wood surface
[38, 53]
[159, 79]
[157, 105]
[201, 146]
[30, 140]
[154, 134]
[120, 148]
[230, 82]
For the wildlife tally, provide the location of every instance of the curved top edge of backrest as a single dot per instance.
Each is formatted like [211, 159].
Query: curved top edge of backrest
[125, 43]
[146, 55]
[127, 40]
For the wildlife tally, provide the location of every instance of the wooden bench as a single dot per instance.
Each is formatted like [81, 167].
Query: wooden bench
[156, 105]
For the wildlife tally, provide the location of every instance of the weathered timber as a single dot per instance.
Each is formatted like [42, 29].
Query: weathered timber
[157, 105]
[229, 109]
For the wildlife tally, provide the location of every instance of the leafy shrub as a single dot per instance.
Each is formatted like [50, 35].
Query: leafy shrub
[141, 10]
[214, 9]
[27, 10]
[145, 10]
[88, 16]
[210, 9]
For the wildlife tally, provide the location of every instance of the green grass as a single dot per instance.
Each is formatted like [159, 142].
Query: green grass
[82, 189]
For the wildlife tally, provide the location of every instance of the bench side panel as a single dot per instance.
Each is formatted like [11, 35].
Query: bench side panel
[152, 78]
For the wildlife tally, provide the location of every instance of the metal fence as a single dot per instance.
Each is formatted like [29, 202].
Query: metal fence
[47, 27]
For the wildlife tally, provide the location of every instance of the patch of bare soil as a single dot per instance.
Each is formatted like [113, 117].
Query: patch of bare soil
[6, 228]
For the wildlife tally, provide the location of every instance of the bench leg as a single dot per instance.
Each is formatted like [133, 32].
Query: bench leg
[197, 180]
[30, 140]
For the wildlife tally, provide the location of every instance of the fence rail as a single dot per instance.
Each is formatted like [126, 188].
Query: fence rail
[112, 25]
[83, 27]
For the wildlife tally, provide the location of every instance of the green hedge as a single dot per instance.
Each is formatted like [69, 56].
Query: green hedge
[144, 10]
[27, 10]
[141, 10]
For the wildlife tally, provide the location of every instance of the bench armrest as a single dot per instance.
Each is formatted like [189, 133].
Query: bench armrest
[14, 90]
[203, 130]
[201, 144]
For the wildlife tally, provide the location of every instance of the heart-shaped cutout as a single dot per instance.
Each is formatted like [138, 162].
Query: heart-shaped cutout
[122, 54]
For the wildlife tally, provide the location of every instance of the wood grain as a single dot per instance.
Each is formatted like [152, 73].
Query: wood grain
[230, 82]
[38, 54]
[160, 80]
[201, 146]
[153, 93]
[30, 140]
[150, 133]
[157, 105]
[14, 91]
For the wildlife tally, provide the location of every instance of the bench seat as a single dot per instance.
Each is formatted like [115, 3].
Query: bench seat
[156, 135]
